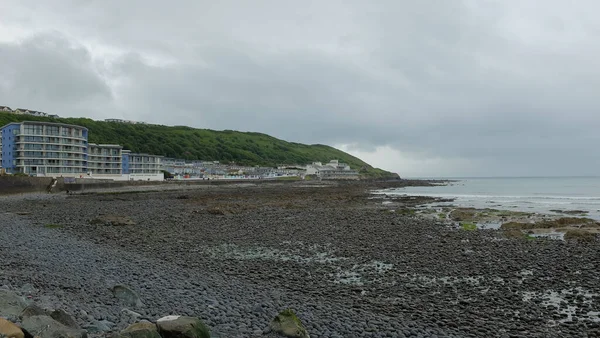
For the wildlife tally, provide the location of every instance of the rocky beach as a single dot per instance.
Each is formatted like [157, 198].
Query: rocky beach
[236, 255]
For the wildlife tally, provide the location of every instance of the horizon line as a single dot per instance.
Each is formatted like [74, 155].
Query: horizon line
[483, 177]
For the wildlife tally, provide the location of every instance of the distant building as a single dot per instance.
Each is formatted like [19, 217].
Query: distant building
[141, 163]
[24, 111]
[37, 113]
[123, 121]
[105, 159]
[334, 170]
[21, 111]
[44, 148]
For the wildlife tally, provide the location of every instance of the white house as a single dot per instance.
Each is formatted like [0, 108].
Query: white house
[334, 170]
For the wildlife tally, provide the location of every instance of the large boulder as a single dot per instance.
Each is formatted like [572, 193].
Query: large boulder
[32, 310]
[182, 327]
[10, 330]
[140, 330]
[287, 324]
[64, 318]
[127, 296]
[11, 304]
[46, 327]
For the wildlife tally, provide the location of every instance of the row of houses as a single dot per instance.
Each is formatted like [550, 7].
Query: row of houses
[124, 121]
[182, 169]
[57, 149]
[23, 111]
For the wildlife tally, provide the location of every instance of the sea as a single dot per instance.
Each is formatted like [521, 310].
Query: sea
[532, 194]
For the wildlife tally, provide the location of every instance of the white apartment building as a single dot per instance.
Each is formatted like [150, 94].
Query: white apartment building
[105, 159]
[44, 148]
[141, 163]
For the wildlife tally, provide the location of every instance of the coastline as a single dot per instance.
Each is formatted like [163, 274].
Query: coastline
[486, 211]
[235, 255]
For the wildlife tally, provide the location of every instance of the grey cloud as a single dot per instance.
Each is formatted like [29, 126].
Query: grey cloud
[485, 82]
[47, 72]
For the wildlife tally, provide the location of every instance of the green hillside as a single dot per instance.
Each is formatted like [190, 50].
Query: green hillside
[203, 144]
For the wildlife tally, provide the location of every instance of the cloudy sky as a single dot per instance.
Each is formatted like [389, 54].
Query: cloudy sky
[422, 88]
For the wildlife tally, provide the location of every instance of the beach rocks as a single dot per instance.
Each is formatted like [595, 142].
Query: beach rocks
[98, 326]
[182, 327]
[46, 327]
[127, 296]
[64, 318]
[11, 304]
[10, 330]
[112, 220]
[32, 310]
[287, 324]
[140, 330]
[347, 268]
[580, 235]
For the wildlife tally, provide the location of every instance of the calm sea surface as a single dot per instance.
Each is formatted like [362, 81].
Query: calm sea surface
[537, 194]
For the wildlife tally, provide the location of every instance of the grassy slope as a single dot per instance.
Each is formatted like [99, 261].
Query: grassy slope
[204, 144]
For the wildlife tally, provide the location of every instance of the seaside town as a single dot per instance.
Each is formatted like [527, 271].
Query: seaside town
[48, 149]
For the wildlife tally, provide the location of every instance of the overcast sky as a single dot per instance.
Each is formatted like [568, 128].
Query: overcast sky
[422, 88]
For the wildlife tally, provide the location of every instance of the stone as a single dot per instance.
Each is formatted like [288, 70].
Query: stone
[46, 327]
[140, 330]
[10, 330]
[182, 327]
[129, 316]
[127, 296]
[64, 318]
[112, 220]
[28, 288]
[287, 324]
[99, 326]
[32, 310]
[11, 304]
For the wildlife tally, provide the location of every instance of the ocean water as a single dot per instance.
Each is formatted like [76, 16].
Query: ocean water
[532, 194]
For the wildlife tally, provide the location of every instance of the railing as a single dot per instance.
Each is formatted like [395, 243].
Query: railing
[51, 134]
[52, 156]
[51, 141]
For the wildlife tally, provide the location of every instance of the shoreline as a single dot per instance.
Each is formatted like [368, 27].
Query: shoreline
[551, 223]
[235, 256]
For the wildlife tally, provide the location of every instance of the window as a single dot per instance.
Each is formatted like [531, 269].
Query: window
[52, 130]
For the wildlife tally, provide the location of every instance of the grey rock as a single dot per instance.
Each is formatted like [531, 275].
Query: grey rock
[64, 318]
[182, 327]
[32, 310]
[46, 327]
[100, 326]
[127, 296]
[28, 288]
[11, 304]
[140, 330]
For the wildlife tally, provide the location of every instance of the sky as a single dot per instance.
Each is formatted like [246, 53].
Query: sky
[429, 88]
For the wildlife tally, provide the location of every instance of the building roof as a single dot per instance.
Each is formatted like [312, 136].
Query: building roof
[47, 123]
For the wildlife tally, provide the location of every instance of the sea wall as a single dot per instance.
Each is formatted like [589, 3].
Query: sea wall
[18, 185]
[21, 184]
